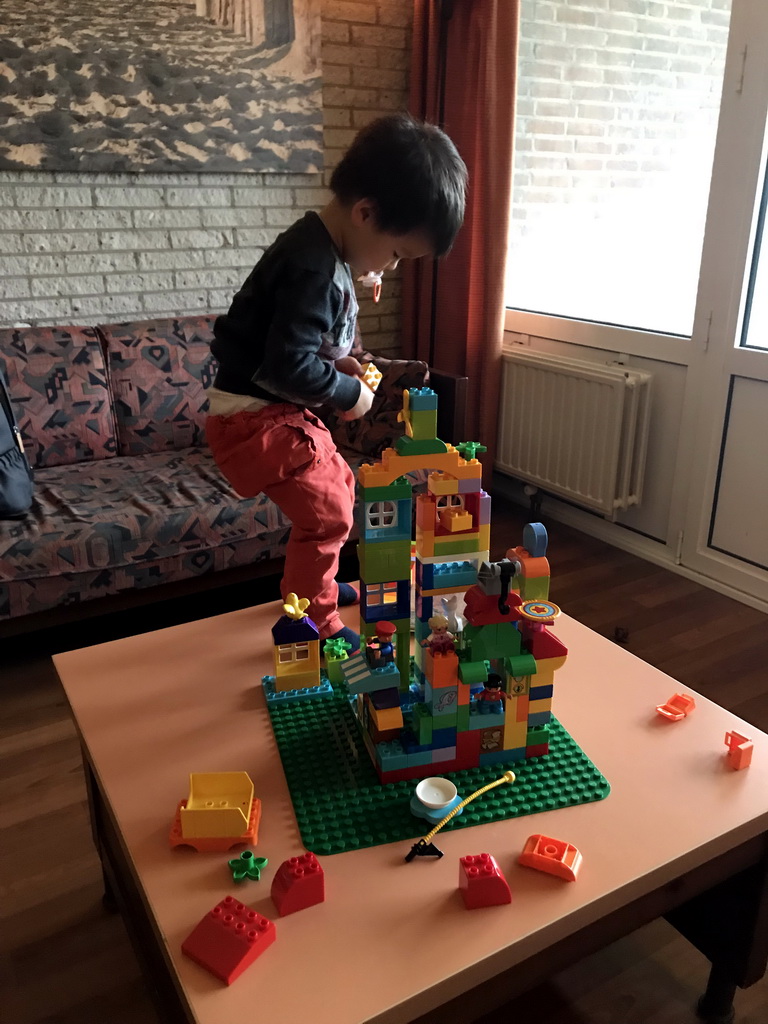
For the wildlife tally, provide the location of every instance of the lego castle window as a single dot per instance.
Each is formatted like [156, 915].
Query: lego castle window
[449, 501]
[292, 652]
[380, 514]
[380, 594]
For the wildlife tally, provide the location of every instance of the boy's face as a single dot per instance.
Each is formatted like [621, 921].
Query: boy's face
[370, 250]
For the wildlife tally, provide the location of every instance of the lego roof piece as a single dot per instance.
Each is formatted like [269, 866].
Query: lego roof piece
[541, 643]
[291, 631]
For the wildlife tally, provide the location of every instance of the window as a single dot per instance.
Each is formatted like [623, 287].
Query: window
[380, 594]
[617, 112]
[292, 652]
[449, 501]
[754, 330]
[381, 514]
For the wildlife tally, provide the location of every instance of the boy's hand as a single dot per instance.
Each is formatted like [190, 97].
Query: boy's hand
[361, 406]
[350, 366]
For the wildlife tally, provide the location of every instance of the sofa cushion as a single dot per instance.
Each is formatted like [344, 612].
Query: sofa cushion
[129, 511]
[159, 370]
[58, 382]
[371, 434]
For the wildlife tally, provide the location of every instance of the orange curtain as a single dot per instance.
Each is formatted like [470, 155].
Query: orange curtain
[453, 309]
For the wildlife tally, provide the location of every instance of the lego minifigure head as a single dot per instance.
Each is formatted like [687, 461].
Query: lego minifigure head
[493, 683]
[385, 631]
[438, 624]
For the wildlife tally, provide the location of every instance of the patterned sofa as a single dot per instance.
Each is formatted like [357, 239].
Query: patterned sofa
[127, 496]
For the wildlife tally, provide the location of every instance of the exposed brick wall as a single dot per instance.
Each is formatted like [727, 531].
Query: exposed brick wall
[613, 96]
[87, 248]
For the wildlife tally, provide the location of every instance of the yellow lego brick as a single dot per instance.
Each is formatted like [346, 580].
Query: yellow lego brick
[297, 681]
[371, 375]
[456, 519]
[542, 704]
[445, 590]
[387, 718]
[425, 543]
[375, 475]
[441, 483]
[471, 470]
[547, 666]
[514, 732]
[219, 804]
[484, 535]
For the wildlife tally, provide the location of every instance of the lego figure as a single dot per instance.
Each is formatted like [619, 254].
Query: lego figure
[491, 698]
[381, 650]
[439, 641]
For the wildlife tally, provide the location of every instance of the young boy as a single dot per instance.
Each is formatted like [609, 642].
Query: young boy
[284, 346]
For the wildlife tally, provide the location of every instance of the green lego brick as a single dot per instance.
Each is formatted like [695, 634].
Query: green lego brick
[385, 561]
[535, 589]
[520, 665]
[499, 640]
[462, 718]
[424, 424]
[457, 547]
[409, 446]
[472, 672]
[421, 724]
[341, 805]
[396, 491]
[539, 734]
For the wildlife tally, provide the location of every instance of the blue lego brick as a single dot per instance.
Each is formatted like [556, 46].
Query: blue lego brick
[541, 692]
[361, 678]
[400, 530]
[422, 398]
[535, 539]
[410, 746]
[444, 737]
[425, 572]
[382, 700]
[539, 718]
[420, 758]
[286, 696]
[391, 756]
[503, 756]
[398, 609]
[452, 574]
[478, 721]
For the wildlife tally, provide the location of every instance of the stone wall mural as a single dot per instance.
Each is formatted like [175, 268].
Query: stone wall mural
[154, 86]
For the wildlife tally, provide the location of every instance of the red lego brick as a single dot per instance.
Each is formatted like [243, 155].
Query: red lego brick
[541, 643]
[739, 753]
[482, 883]
[553, 856]
[481, 609]
[540, 750]
[299, 883]
[228, 939]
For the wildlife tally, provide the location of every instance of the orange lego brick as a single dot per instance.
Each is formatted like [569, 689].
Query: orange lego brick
[217, 844]
[677, 707]
[739, 753]
[426, 514]
[442, 669]
[455, 519]
[552, 856]
[521, 708]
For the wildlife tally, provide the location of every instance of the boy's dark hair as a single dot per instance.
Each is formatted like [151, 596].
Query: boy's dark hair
[413, 174]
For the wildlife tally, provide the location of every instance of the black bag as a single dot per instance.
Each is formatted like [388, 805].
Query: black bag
[15, 474]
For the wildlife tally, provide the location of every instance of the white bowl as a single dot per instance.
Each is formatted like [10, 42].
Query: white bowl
[436, 792]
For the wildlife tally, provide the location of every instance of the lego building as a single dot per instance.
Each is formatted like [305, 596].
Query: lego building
[479, 688]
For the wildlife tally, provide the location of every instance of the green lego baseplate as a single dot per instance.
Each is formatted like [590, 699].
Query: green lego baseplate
[340, 804]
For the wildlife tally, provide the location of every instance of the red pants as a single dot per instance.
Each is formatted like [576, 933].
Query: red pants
[289, 455]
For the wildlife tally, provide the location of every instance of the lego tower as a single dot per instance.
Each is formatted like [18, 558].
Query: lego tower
[480, 687]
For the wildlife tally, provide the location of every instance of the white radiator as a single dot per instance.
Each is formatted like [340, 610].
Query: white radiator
[578, 430]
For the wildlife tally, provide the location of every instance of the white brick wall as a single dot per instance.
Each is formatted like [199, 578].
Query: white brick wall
[88, 248]
[599, 93]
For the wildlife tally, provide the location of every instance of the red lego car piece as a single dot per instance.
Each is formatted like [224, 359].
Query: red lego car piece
[482, 882]
[228, 939]
[299, 883]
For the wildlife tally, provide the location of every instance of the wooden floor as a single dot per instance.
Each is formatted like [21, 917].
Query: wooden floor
[64, 960]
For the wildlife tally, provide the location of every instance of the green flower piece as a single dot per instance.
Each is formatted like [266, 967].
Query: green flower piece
[337, 648]
[468, 449]
[247, 866]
